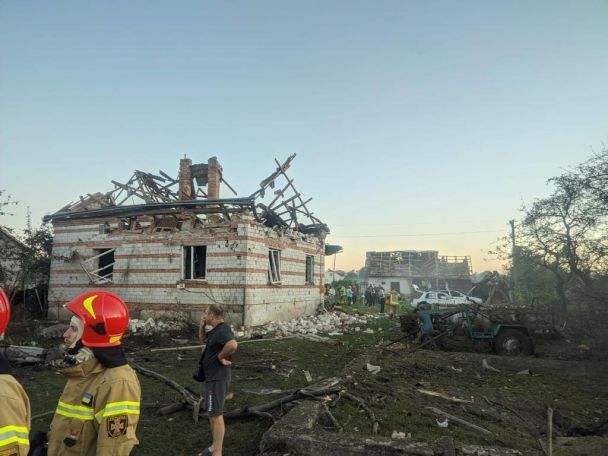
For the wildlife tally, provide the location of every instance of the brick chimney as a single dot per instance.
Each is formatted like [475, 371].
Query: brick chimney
[213, 176]
[185, 179]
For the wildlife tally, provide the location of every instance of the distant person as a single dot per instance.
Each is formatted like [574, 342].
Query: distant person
[393, 303]
[368, 296]
[381, 298]
[14, 404]
[342, 295]
[349, 296]
[332, 295]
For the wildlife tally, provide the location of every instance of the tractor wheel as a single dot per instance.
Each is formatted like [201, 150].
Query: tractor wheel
[513, 342]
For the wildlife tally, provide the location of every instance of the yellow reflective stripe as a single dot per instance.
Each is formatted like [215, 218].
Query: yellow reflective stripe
[75, 411]
[118, 408]
[14, 434]
[82, 408]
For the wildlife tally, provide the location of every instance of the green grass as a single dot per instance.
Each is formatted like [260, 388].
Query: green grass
[391, 393]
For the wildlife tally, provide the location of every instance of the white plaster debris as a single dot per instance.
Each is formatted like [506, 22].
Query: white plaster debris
[373, 369]
[150, 326]
[330, 323]
[401, 435]
[308, 376]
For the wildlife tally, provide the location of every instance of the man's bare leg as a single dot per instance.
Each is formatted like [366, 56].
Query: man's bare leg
[217, 430]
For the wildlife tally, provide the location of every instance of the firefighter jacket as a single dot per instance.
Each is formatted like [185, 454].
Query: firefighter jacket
[14, 417]
[97, 413]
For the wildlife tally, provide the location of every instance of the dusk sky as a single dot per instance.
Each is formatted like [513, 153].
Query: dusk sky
[417, 125]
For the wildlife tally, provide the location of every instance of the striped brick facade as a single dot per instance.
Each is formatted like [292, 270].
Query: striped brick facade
[148, 270]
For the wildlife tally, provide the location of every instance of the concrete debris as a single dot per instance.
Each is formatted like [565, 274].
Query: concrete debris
[373, 369]
[325, 323]
[485, 365]
[369, 331]
[55, 331]
[442, 424]
[150, 327]
[525, 372]
[308, 376]
[401, 435]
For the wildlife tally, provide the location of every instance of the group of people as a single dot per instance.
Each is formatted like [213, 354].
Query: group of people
[373, 295]
[98, 411]
[344, 295]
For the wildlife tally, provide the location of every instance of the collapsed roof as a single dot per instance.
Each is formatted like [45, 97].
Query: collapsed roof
[196, 191]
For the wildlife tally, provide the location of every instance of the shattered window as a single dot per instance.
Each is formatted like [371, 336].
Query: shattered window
[195, 262]
[310, 269]
[274, 266]
[105, 263]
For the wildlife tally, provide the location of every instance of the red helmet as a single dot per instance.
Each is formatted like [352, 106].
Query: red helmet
[5, 311]
[105, 317]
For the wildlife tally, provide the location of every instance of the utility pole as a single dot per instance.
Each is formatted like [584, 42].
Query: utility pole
[513, 254]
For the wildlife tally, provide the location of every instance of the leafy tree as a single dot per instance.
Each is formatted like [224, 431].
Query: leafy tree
[566, 232]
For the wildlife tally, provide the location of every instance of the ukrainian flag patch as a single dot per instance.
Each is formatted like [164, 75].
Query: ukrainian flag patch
[87, 399]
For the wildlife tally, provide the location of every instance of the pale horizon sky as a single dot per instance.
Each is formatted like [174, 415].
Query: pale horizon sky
[417, 125]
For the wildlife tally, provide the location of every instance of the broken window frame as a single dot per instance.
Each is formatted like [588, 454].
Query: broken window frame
[190, 270]
[309, 275]
[274, 266]
[96, 275]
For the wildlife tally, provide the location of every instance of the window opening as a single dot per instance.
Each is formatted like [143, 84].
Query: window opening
[310, 266]
[274, 266]
[195, 262]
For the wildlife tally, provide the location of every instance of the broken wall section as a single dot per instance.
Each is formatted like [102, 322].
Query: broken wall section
[158, 271]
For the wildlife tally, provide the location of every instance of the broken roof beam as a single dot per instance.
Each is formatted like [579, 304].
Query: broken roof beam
[166, 208]
[290, 182]
[269, 181]
[226, 183]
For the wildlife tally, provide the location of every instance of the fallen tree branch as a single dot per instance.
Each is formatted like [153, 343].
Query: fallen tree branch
[332, 418]
[459, 420]
[444, 396]
[247, 412]
[40, 415]
[191, 400]
[246, 341]
[364, 406]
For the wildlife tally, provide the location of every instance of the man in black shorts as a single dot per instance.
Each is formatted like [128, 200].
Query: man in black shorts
[215, 361]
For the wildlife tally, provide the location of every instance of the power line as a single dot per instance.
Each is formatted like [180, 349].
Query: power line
[455, 233]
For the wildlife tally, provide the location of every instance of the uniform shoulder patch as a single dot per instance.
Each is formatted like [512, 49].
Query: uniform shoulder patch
[117, 425]
[13, 451]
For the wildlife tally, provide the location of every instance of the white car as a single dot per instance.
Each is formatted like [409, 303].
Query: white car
[445, 298]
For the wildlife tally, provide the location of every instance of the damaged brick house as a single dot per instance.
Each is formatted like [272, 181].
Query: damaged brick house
[400, 270]
[181, 247]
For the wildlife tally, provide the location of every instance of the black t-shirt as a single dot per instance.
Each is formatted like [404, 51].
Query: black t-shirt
[216, 339]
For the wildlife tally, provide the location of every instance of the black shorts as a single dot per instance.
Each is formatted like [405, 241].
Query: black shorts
[215, 394]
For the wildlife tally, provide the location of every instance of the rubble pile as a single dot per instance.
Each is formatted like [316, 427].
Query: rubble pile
[150, 327]
[330, 323]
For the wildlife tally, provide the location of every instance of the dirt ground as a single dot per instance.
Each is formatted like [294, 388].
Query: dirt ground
[510, 405]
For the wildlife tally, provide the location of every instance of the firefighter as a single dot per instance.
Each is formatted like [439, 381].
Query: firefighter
[98, 411]
[14, 403]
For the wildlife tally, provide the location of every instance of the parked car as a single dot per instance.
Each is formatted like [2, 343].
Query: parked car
[444, 298]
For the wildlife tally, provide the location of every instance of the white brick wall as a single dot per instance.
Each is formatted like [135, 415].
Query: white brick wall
[237, 264]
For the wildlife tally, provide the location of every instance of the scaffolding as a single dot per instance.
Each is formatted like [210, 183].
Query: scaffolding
[418, 265]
